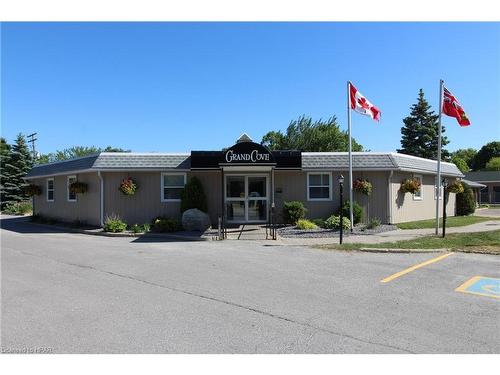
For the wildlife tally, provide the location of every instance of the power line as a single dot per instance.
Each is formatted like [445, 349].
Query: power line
[32, 139]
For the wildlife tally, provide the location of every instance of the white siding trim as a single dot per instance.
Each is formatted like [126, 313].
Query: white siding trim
[421, 196]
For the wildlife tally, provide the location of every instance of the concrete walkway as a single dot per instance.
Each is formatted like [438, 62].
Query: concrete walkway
[394, 235]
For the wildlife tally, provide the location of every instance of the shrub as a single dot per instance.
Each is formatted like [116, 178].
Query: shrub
[146, 227]
[162, 224]
[293, 211]
[78, 187]
[455, 187]
[114, 224]
[410, 185]
[373, 223]
[304, 224]
[128, 186]
[319, 222]
[136, 228]
[32, 190]
[357, 212]
[362, 186]
[465, 204]
[193, 196]
[18, 208]
[333, 222]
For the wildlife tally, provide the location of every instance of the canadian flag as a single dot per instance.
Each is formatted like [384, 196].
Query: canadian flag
[361, 105]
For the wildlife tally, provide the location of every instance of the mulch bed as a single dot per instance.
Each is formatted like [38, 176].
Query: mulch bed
[292, 232]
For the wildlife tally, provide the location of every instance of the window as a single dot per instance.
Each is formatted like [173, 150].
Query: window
[50, 190]
[418, 195]
[172, 185]
[71, 196]
[319, 186]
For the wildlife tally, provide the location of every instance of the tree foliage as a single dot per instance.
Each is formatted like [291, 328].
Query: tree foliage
[460, 163]
[4, 176]
[75, 152]
[466, 154]
[484, 155]
[493, 164]
[304, 134]
[465, 204]
[419, 135]
[16, 162]
[193, 196]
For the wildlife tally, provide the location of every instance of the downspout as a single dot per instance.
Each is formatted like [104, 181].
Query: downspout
[101, 198]
[389, 196]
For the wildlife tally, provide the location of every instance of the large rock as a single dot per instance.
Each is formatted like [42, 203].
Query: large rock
[195, 220]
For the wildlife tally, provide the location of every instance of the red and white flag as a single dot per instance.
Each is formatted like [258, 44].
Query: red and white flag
[451, 107]
[361, 105]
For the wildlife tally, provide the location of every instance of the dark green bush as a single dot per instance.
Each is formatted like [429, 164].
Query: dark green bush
[465, 204]
[193, 196]
[357, 212]
[293, 211]
[114, 224]
[164, 224]
[319, 222]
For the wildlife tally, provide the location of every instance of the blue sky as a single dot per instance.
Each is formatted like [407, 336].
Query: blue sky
[197, 86]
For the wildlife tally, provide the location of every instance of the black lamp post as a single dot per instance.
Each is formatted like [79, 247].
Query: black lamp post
[341, 183]
[445, 196]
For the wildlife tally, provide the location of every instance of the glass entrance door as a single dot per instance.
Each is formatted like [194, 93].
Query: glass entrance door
[246, 199]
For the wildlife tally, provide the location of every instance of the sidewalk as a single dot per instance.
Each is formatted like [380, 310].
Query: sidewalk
[394, 235]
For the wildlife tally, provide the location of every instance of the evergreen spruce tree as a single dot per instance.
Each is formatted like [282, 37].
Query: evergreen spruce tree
[4, 156]
[419, 135]
[17, 164]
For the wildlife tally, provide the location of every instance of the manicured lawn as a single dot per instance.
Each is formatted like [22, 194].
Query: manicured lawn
[488, 242]
[453, 221]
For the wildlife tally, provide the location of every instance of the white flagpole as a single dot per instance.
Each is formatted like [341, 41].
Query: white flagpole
[350, 152]
[438, 182]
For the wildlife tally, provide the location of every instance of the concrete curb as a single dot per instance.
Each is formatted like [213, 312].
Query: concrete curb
[401, 251]
[136, 235]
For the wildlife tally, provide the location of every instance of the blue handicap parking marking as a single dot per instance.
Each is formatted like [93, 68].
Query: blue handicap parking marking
[485, 286]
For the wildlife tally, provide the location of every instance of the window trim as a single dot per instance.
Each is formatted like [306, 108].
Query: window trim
[330, 187]
[184, 175]
[53, 189]
[67, 189]
[421, 197]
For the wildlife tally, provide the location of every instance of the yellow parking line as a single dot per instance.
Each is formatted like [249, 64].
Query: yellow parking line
[464, 286]
[415, 267]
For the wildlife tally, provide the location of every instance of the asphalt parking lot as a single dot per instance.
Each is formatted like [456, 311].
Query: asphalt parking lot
[75, 293]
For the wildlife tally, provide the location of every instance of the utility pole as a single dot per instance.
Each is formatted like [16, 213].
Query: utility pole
[32, 139]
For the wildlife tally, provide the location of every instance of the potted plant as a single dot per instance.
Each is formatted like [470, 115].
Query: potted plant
[32, 190]
[455, 187]
[78, 187]
[128, 186]
[410, 185]
[362, 186]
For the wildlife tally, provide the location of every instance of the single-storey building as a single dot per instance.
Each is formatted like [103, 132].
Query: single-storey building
[243, 184]
[490, 191]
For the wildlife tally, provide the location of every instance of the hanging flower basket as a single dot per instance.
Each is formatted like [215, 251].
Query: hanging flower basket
[362, 186]
[128, 186]
[78, 187]
[32, 190]
[410, 185]
[455, 187]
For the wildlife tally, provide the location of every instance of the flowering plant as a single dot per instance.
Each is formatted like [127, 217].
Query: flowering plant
[362, 186]
[410, 185]
[78, 187]
[128, 186]
[455, 187]
[32, 190]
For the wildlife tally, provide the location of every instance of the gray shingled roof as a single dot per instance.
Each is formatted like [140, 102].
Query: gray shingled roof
[113, 161]
[310, 160]
[483, 176]
[375, 161]
[473, 184]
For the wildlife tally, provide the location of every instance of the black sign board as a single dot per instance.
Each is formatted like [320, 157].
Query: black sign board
[246, 153]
